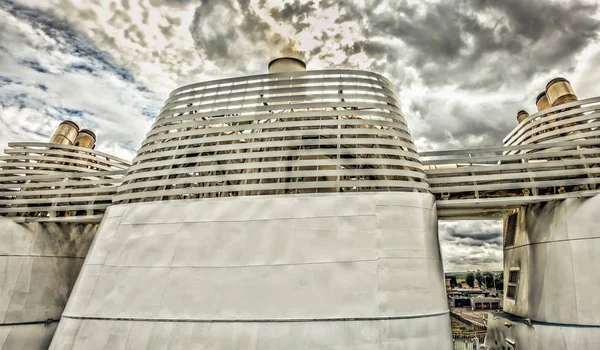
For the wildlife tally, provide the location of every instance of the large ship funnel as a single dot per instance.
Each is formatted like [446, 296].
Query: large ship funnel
[559, 91]
[541, 101]
[522, 115]
[286, 64]
[65, 134]
[86, 138]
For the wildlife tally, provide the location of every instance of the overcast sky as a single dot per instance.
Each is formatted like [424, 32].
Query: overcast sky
[462, 68]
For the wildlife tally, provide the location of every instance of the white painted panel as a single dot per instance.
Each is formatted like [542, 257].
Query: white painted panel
[128, 291]
[103, 240]
[586, 260]
[268, 242]
[272, 292]
[304, 257]
[144, 245]
[415, 334]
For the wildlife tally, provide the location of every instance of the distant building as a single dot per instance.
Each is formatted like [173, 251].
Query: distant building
[475, 292]
[460, 301]
[485, 303]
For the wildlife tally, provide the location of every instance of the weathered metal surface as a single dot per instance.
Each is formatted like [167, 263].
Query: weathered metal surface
[65, 134]
[554, 258]
[40, 263]
[30, 337]
[556, 249]
[286, 64]
[520, 333]
[559, 92]
[541, 101]
[86, 138]
[275, 267]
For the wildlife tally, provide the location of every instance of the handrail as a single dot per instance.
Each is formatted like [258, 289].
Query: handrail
[500, 178]
[44, 182]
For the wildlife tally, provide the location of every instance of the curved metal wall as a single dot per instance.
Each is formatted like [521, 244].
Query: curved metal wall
[316, 271]
[284, 133]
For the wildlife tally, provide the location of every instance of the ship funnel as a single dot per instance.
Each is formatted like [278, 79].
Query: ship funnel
[522, 115]
[559, 91]
[65, 134]
[286, 64]
[541, 101]
[85, 138]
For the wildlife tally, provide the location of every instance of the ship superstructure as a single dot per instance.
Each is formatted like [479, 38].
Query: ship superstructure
[286, 210]
[52, 197]
[293, 210]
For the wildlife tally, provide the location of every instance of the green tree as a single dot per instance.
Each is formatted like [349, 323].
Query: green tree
[470, 279]
[488, 279]
[500, 281]
[453, 281]
[479, 278]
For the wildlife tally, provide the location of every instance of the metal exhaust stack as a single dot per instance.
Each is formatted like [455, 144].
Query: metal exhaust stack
[559, 91]
[286, 64]
[65, 134]
[86, 138]
[541, 101]
[522, 115]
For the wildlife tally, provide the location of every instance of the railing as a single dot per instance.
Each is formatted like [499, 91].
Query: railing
[304, 132]
[285, 133]
[468, 341]
[568, 122]
[487, 181]
[43, 182]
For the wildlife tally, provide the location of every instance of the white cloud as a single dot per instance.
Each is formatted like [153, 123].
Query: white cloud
[47, 79]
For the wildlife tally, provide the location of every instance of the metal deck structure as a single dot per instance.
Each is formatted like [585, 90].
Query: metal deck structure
[45, 182]
[551, 155]
[330, 131]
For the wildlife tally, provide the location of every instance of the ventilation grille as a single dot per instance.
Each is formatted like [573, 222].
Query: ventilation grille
[510, 230]
[513, 281]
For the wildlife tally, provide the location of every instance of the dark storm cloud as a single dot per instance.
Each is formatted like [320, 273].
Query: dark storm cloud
[473, 126]
[168, 30]
[472, 233]
[295, 13]
[215, 45]
[476, 47]
[449, 39]
[374, 48]
[436, 35]
[350, 12]
[230, 30]
[470, 261]
[471, 244]
[537, 19]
